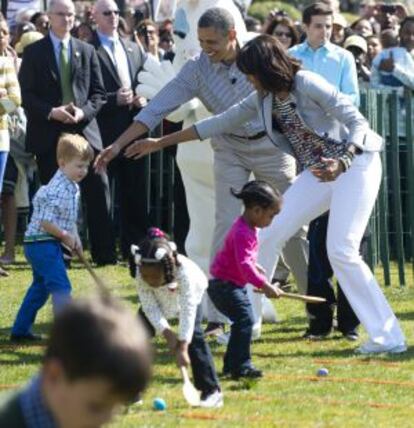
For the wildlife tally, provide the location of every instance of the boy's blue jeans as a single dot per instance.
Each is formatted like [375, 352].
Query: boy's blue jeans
[49, 278]
[234, 303]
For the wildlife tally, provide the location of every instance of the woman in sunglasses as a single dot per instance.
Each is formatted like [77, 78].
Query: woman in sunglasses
[282, 27]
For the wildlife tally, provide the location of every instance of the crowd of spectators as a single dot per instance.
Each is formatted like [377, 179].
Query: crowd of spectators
[381, 41]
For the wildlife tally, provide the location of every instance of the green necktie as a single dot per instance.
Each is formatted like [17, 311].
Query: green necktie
[65, 75]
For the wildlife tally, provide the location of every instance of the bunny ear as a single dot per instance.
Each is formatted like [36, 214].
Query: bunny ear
[173, 246]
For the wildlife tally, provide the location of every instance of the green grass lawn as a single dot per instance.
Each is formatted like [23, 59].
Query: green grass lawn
[359, 391]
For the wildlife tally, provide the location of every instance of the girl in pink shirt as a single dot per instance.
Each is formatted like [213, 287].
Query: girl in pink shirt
[235, 265]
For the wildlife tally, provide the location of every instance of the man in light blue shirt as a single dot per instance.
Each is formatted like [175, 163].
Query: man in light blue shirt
[337, 66]
[319, 55]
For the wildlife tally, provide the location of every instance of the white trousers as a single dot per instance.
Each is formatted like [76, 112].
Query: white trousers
[350, 200]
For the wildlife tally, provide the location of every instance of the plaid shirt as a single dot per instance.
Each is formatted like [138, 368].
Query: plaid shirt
[57, 202]
[35, 412]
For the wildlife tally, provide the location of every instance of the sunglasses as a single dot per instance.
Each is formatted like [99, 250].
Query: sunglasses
[282, 33]
[110, 12]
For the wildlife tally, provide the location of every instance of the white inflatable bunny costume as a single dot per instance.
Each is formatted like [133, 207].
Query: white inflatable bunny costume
[195, 160]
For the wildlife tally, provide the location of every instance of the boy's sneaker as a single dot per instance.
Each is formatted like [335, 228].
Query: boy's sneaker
[212, 401]
[374, 348]
[249, 373]
[29, 337]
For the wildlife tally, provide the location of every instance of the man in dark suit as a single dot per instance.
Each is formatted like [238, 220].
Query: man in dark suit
[120, 62]
[62, 91]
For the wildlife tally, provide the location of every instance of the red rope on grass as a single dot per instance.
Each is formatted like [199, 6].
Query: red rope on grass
[407, 384]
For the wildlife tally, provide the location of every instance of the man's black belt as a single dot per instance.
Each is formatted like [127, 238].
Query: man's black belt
[251, 137]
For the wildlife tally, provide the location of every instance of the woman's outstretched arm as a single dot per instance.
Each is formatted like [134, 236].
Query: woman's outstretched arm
[146, 146]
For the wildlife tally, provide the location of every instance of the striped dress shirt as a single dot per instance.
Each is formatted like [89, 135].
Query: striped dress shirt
[218, 86]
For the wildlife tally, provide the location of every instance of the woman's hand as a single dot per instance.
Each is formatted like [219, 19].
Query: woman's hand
[104, 157]
[333, 168]
[144, 147]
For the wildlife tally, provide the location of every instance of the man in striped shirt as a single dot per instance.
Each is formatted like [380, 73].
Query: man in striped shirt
[214, 78]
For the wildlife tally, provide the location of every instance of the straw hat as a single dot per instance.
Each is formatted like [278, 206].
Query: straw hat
[357, 41]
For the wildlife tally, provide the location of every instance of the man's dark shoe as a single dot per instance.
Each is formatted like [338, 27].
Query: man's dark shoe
[311, 335]
[29, 337]
[248, 373]
[214, 328]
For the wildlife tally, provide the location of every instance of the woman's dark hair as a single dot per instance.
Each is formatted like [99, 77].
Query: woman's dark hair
[148, 248]
[35, 17]
[287, 22]
[265, 58]
[258, 193]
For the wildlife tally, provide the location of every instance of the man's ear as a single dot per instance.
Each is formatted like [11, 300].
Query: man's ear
[232, 35]
[52, 371]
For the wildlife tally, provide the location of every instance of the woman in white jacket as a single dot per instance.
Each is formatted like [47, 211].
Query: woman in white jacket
[341, 172]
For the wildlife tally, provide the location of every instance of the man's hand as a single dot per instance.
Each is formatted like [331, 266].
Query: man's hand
[61, 114]
[139, 101]
[76, 112]
[104, 157]
[3, 93]
[172, 340]
[333, 168]
[181, 354]
[124, 96]
[144, 147]
[387, 64]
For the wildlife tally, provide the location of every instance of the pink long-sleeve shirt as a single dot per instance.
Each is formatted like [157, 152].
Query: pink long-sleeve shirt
[236, 260]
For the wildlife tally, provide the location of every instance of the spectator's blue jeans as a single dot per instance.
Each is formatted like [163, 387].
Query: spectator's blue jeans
[234, 303]
[3, 161]
[49, 278]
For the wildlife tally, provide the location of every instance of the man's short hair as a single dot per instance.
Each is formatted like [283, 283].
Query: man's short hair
[99, 338]
[219, 19]
[73, 146]
[52, 3]
[315, 9]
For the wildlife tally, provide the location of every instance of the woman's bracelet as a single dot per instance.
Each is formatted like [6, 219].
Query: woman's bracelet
[346, 160]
